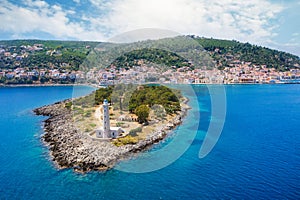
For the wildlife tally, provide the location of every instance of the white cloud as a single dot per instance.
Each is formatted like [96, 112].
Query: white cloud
[101, 4]
[247, 20]
[296, 34]
[37, 3]
[39, 16]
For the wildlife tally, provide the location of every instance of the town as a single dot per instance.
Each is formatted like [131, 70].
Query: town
[238, 74]
[235, 71]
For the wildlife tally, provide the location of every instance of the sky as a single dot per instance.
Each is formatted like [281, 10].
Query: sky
[271, 23]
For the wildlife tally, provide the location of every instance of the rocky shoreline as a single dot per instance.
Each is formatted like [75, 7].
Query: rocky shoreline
[70, 148]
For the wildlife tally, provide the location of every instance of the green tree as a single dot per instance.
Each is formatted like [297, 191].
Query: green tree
[142, 112]
[103, 93]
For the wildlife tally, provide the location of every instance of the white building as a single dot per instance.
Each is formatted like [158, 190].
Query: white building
[107, 131]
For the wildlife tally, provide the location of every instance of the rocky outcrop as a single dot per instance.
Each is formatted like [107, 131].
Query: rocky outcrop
[70, 148]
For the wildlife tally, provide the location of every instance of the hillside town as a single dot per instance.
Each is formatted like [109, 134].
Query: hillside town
[238, 74]
[235, 72]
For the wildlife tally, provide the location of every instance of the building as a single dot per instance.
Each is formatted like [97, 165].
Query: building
[107, 131]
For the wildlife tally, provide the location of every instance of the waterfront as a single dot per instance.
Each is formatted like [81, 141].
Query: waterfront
[256, 157]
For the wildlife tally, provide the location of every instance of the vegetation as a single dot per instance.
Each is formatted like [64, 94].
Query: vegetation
[68, 57]
[137, 100]
[95, 98]
[63, 55]
[224, 51]
[142, 112]
[120, 124]
[103, 93]
[151, 95]
[68, 105]
[93, 125]
[159, 111]
[134, 132]
[125, 140]
[150, 55]
[218, 53]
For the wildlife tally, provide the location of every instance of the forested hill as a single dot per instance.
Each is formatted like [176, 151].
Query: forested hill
[226, 50]
[46, 54]
[224, 53]
[68, 55]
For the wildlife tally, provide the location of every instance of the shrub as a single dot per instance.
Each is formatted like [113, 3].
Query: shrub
[134, 132]
[68, 105]
[125, 140]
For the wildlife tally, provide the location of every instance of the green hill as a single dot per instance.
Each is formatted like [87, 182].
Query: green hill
[69, 55]
[222, 53]
[248, 53]
[44, 54]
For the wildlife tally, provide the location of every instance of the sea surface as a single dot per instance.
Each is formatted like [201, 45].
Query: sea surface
[256, 157]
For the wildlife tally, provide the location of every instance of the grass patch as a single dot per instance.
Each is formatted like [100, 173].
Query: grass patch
[93, 125]
[87, 113]
[87, 130]
[119, 124]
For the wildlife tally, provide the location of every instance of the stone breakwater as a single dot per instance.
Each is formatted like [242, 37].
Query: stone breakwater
[70, 148]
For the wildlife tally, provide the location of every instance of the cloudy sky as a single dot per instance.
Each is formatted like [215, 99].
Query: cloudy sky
[271, 23]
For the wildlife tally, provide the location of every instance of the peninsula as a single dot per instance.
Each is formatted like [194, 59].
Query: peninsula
[94, 132]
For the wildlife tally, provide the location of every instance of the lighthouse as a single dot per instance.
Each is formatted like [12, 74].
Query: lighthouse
[106, 131]
[106, 122]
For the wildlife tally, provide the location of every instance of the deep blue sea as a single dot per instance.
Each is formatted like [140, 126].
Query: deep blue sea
[256, 157]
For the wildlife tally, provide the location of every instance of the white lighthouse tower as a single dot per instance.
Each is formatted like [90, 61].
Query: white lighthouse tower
[107, 132]
[106, 122]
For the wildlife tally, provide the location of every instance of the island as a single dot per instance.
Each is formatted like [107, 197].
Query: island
[95, 132]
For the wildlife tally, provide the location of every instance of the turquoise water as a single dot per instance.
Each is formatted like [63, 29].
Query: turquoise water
[257, 155]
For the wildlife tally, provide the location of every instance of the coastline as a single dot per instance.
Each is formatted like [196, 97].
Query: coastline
[70, 148]
[47, 85]
[98, 86]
